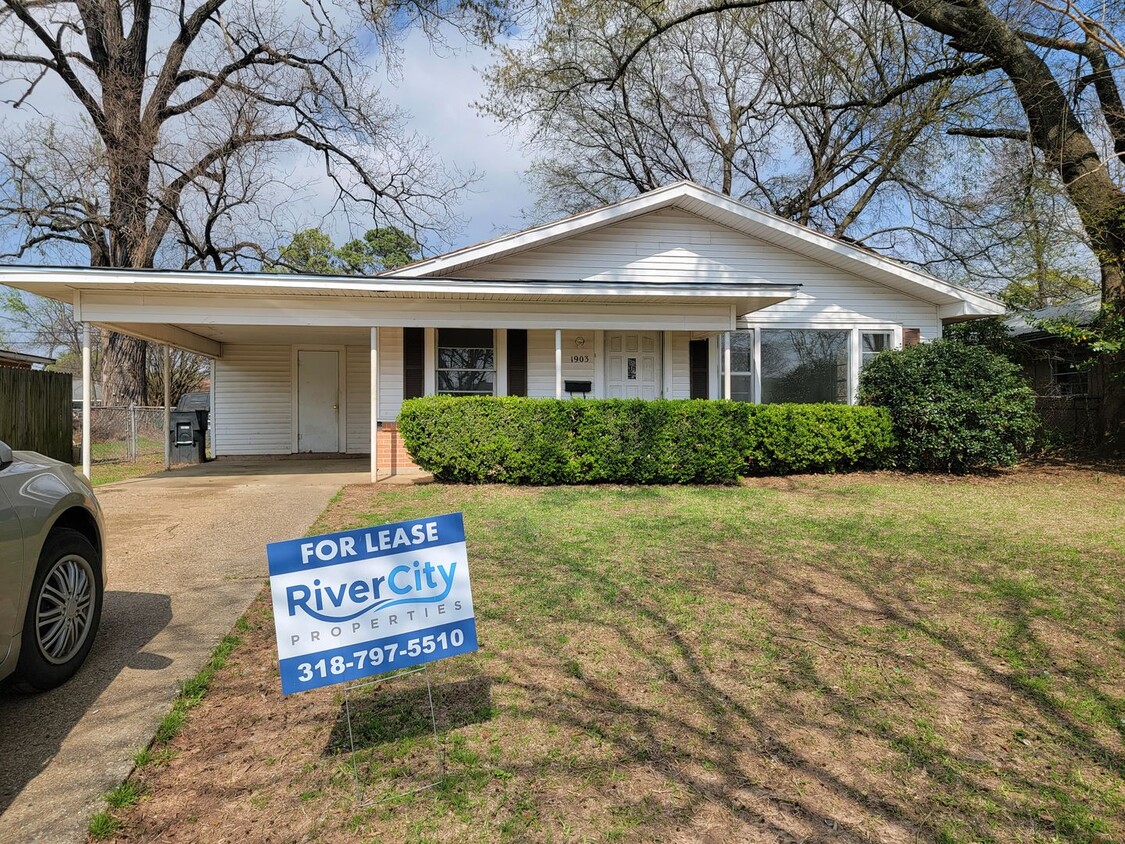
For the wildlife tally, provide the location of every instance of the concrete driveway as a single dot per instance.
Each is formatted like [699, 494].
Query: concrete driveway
[185, 556]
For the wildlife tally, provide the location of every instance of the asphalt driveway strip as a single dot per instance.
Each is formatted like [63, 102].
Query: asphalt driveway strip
[185, 555]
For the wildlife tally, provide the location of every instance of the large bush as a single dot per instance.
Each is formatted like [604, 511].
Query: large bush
[955, 407]
[547, 441]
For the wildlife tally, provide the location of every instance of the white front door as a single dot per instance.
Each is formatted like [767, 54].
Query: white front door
[632, 364]
[318, 401]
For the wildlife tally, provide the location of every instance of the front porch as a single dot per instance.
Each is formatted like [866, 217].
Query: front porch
[315, 396]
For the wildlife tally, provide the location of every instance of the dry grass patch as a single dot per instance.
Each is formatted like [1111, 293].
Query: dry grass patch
[863, 658]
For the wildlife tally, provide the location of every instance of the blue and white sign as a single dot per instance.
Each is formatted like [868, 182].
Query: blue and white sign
[362, 602]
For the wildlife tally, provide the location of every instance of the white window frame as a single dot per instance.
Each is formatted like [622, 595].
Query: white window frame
[755, 356]
[855, 350]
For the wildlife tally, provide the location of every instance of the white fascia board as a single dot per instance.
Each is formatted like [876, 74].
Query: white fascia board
[971, 310]
[216, 309]
[47, 282]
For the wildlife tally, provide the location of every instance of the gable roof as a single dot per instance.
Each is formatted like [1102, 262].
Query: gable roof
[955, 301]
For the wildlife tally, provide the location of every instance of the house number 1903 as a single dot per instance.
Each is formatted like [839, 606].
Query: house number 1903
[579, 358]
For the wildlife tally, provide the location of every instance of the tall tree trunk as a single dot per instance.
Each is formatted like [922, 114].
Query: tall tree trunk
[124, 370]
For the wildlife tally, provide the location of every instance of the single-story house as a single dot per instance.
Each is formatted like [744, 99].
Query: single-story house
[678, 293]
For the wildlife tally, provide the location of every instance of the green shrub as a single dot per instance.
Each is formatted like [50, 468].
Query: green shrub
[546, 441]
[955, 407]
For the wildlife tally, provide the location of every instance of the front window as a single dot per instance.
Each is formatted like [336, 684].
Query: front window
[872, 344]
[466, 362]
[804, 365]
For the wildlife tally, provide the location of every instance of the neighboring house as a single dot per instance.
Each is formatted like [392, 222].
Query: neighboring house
[76, 394]
[1068, 385]
[19, 360]
[680, 292]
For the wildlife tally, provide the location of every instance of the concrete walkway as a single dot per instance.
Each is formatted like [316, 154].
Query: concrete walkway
[185, 556]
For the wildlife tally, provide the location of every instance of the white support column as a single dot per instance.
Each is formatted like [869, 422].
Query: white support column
[429, 361]
[714, 364]
[726, 366]
[666, 364]
[374, 404]
[500, 341]
[167, 408]
[599, 364]
[86, 386]
[211, 419]
[558, 364]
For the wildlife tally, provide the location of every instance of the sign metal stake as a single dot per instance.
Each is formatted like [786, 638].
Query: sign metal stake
[439, 749]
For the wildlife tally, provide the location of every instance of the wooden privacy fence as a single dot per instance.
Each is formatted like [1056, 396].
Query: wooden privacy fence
[35, 411]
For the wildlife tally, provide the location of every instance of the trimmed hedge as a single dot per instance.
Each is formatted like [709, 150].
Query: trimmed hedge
[955, 407]
[548, 441]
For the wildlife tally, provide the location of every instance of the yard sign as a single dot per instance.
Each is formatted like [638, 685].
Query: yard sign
[362, 602]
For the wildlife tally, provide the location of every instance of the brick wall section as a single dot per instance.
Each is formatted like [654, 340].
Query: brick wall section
[392, 454]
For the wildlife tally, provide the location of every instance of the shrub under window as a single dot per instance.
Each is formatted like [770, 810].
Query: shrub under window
[548, 441]
[955, 407]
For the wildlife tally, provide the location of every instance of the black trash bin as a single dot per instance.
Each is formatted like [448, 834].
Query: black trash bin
[189, 436]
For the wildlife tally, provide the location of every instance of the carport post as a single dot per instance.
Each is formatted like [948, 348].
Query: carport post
[374, 404]
[167, 408]
[726, 366]
[86, 399]
[558, 364]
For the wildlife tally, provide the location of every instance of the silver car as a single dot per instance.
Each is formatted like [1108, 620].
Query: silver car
[51, 575]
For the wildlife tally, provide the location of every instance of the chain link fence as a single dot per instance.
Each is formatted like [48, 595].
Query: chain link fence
[1073, 418]
[123, 434]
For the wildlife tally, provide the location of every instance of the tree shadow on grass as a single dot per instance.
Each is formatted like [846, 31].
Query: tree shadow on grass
[770, 764]
[398, 709]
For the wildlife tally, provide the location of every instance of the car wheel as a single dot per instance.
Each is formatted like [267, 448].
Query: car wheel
[62, 613]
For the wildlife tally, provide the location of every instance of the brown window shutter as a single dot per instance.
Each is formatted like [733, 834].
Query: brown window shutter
[911, 337]
[413, 362]
[699, 356]
[517, 362]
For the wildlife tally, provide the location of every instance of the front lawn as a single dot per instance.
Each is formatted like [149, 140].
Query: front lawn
[856, 658]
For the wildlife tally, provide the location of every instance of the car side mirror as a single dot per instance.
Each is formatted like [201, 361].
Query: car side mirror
[6, 456]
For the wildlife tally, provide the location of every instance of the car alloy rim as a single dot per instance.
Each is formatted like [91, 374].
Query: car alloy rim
[64, 608]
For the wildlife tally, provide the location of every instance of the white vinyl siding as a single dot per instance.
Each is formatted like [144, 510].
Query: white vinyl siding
[390, 374]
[681, 366]
[253, 411]
[674, 245]
[541, 364]
[541, 361]
[359, 387]
[254, 395]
